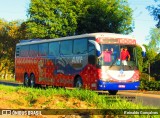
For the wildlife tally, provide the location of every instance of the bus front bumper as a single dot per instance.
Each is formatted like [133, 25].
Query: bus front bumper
[101, 85]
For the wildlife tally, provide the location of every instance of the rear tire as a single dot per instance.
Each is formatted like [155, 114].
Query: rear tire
[78, 83]
[113, 92]
[26, 80]
[32, 81]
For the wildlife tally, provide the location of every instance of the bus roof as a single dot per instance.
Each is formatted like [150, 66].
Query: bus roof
[96, 35]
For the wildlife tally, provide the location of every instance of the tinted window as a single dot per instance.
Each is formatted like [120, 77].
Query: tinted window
[80, 46]
[33, 50]
[43, 49]
[91, 54]
[66, 47]
[54, 48]
[24, 51]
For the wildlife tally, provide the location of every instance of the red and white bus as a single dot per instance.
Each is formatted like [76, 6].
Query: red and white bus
[74, 61]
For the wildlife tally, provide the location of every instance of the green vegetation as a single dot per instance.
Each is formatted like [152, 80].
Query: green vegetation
[150, 64]
[50, 19]
[51, 98]
[154, 39]
[149, 85]
[155, 11]
[10, 34]
[139, 58]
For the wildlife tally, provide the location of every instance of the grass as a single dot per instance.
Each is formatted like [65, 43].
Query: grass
[52, 98]
[8, 79]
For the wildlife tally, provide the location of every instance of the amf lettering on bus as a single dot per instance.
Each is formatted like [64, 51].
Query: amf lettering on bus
[77, 59]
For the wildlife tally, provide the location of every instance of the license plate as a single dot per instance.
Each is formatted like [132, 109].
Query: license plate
[121, 86]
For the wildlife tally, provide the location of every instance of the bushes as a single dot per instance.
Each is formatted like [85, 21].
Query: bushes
[151, 85]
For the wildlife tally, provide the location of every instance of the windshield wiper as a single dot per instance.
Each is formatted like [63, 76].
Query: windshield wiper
[113, 63]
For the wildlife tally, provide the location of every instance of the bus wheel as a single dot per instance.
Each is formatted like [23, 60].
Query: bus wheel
[26, 80]
[113, 92]
[32, 80]
[78, 82]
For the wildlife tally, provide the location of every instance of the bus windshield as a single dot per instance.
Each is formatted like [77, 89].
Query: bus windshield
[118, 56]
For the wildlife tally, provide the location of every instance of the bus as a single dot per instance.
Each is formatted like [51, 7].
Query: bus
[74, 61]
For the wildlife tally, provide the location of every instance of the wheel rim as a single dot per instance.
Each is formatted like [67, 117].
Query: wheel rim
[26, 80]
[78, 83]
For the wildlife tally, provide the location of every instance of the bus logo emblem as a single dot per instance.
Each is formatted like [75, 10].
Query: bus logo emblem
[121, 71]
[121, 74]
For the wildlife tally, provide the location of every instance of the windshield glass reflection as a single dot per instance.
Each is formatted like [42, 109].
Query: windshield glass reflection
[117, 57]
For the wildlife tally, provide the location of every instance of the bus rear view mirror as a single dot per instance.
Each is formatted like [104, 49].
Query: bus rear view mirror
[97, 47]
[143, 51]
[143, 54]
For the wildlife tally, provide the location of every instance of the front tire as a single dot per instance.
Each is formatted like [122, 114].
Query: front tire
[113, 92]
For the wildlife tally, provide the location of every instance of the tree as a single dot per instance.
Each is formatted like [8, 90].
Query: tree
[139, 58]
[155, 68]
[52, 18]
[10, 34]
[149, 59]
[105, 16]
[155, 12]
[154, 39]
[57, 18]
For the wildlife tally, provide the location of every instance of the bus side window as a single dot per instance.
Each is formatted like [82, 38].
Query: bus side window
[33, 51]
[91, 54]
[24, 52]
[66, 47]
[43, 49]
[17, 51]
[80, 46]
[54, 48]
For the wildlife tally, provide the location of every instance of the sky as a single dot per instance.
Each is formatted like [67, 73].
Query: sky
[143, 21]
[17, 9]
